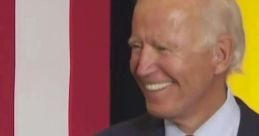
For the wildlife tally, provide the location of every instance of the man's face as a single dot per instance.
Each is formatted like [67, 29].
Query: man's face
[169, 61]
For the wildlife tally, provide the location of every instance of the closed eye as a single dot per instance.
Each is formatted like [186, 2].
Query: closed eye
[134, 46]
[161, 48]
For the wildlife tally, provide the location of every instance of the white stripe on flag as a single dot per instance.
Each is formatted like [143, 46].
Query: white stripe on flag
[42, 68]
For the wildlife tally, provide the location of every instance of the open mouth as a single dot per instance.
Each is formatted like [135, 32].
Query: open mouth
[157, 86]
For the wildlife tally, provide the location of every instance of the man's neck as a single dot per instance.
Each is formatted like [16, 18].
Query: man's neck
[196, 116]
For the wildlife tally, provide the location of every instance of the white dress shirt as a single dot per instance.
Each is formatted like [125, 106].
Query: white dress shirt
[224, 122]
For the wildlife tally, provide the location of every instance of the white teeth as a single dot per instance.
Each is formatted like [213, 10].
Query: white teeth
[157, 86]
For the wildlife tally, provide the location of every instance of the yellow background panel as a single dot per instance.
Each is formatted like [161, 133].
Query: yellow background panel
[246, 85]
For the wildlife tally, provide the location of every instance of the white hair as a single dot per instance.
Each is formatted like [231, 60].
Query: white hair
[223, 16]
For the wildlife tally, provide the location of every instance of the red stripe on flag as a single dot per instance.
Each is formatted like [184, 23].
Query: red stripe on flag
[7, 64]
[89, 79]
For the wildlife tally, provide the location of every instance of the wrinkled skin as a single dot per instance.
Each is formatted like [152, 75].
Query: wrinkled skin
[178, 75]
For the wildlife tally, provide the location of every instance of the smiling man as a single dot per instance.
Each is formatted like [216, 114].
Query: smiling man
[182, 53]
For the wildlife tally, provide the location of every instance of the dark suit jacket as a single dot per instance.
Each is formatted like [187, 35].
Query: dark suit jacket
[147, 125]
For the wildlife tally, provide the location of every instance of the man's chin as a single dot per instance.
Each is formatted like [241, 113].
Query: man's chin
[161, 112]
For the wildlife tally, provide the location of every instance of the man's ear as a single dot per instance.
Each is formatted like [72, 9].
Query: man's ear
[223, 54]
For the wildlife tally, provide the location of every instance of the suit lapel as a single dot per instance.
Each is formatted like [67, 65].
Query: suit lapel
[249, 122]
[151, 126]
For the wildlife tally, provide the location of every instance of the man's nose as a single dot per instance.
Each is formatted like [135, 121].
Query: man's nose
[146, 63]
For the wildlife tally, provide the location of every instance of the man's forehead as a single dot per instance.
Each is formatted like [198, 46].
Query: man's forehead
[170, 9]
[172, 4]
[174, 13]
[156, 21]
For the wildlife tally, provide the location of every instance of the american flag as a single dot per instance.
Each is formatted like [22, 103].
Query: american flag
[54, 67]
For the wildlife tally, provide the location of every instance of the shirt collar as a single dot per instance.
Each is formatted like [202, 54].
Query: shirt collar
[224, 122]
